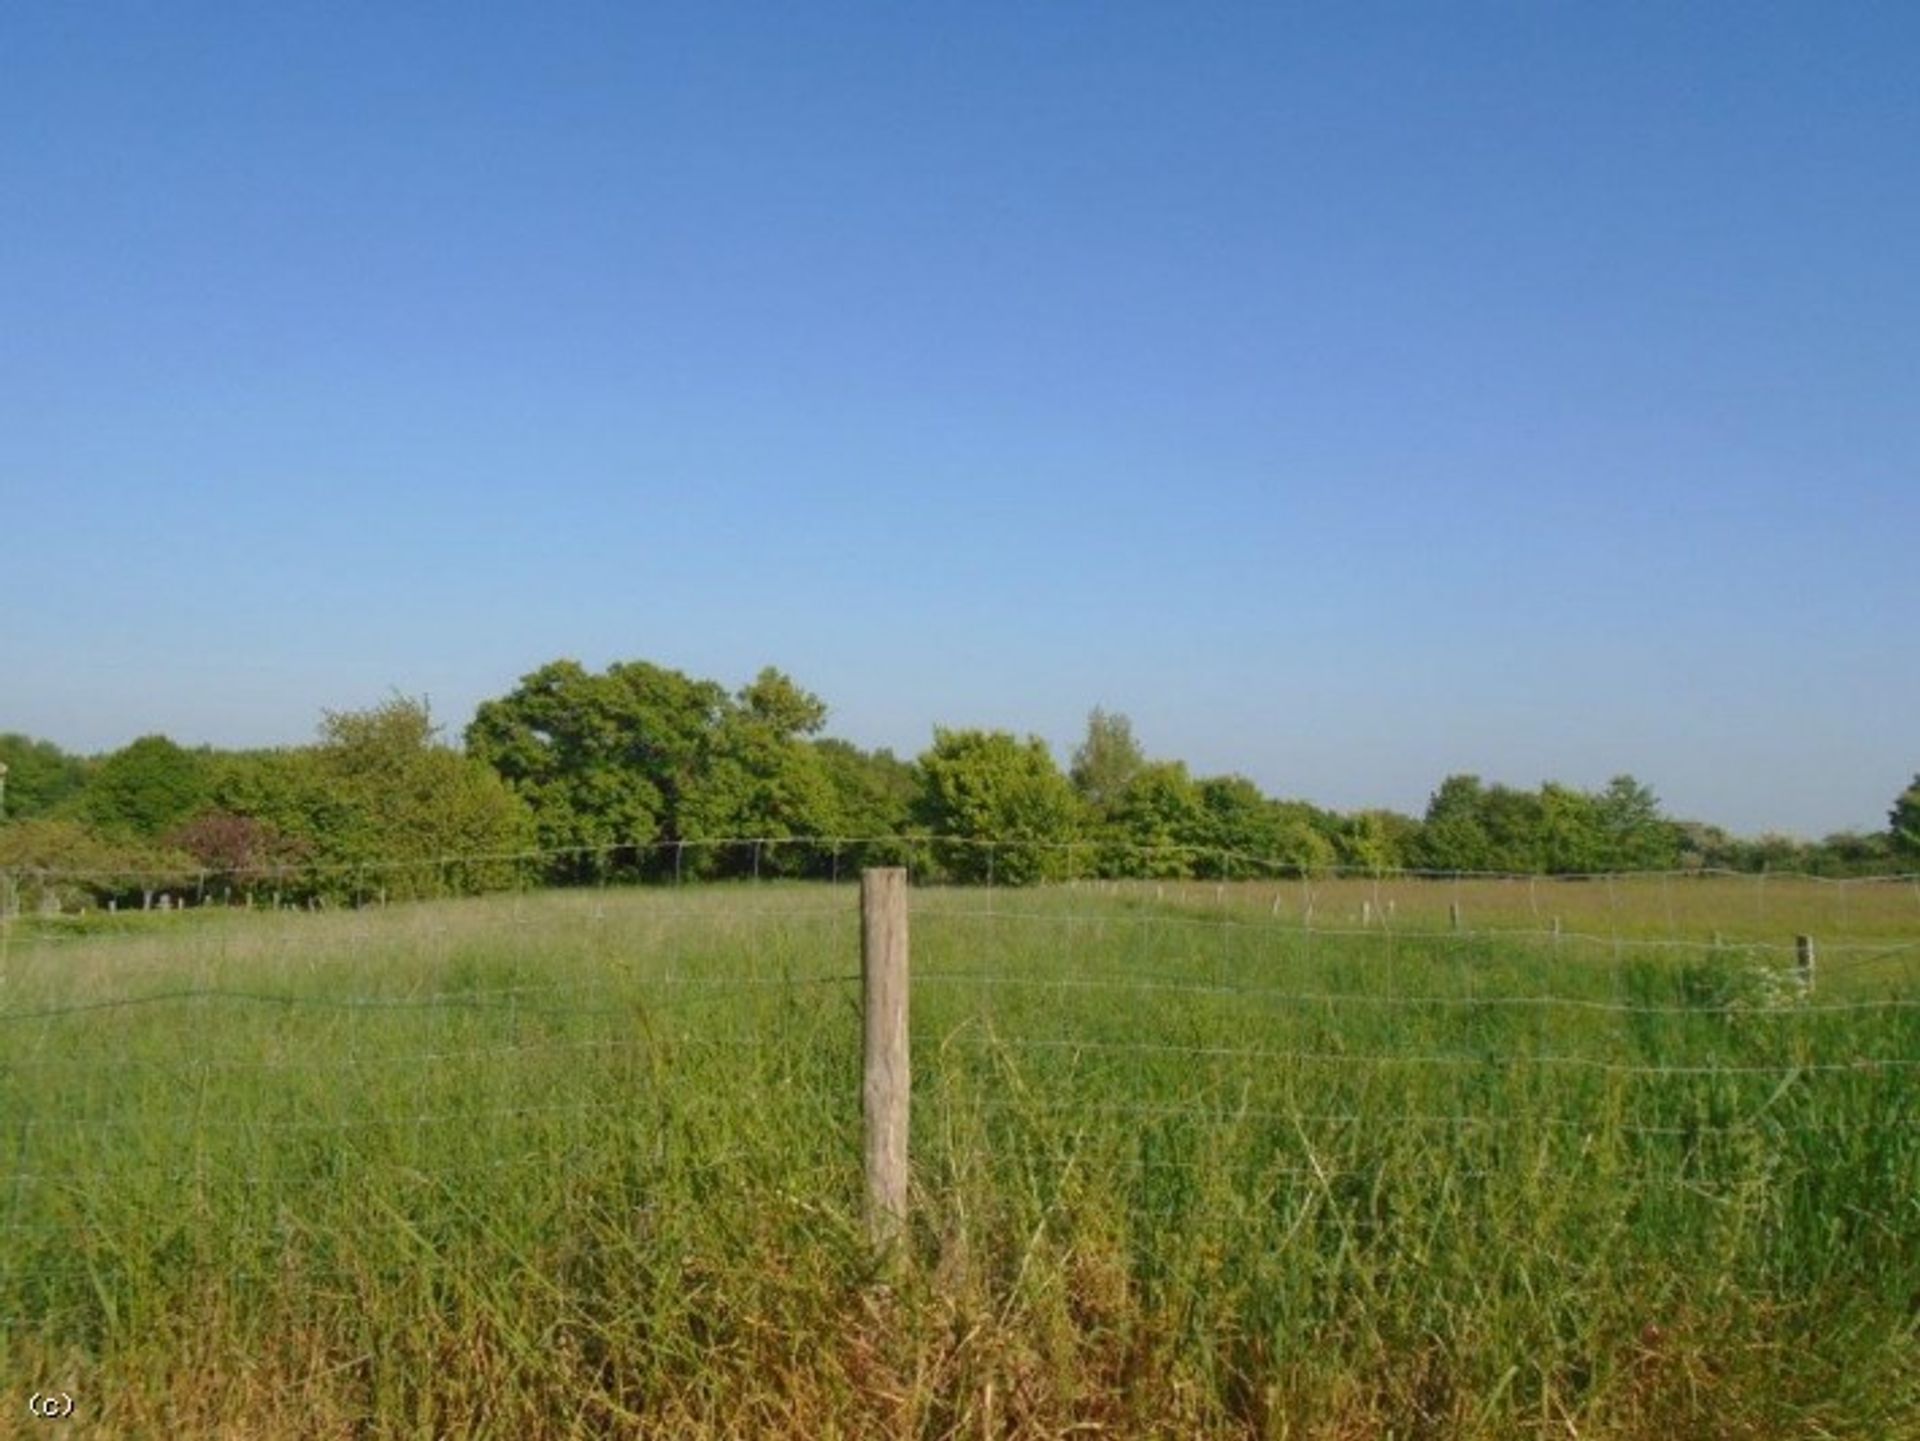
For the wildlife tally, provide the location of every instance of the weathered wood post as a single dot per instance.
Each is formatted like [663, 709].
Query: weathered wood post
[1453, 915]
[1803, 953]
[886, 1089]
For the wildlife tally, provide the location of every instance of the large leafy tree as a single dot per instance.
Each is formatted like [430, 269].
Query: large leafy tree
[1514, 823]
[1107, 760]
[1851, 853]
[380, 805]
[761, 780]
[1155, 824]
[1903, 821]
[40, 777]
[873, 799]
[1636, 836]
[147, 787]
[874, 790]
[1378, 840]
[1453, 835]
[1005, 796]
[607, 761]
[1248, 834]
[414, 799]
[1571, 838]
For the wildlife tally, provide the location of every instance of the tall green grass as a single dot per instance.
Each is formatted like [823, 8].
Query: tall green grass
[587, 1164]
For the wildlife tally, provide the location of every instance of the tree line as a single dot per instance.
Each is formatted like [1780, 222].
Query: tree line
[576, 776]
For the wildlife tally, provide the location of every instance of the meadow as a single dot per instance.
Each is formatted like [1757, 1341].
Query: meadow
[1256, 1159]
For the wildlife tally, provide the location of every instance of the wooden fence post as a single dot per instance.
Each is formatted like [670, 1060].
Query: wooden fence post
[886, 1088]
[1803, 953]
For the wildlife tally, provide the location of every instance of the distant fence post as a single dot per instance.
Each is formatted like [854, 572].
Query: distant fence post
[885, 1089]
[1803, 953]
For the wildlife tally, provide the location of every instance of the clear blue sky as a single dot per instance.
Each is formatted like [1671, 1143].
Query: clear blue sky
[1352, 395]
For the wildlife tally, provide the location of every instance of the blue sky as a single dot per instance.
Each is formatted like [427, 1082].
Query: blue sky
[1352, 394]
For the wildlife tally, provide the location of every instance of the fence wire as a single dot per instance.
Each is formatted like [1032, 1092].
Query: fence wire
[1292, 1028]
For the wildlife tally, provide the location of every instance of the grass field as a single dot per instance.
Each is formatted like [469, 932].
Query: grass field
[587, 1163]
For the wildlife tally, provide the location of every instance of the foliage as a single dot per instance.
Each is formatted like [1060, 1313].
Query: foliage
[66, 863]
[1246, 834]
[873, 790]
[645, 770]
[1379, 840]
[1471, 826]
[1634, 835]
[40, 778]
[244, 853]
[775, 702]
[370, 810]
[873, 798]
[987, 786]
[1903, 821]
[1452, 835]
[1571, 840]
[760, 779]
[409, 799]
[146, 787]
[1154, 823]
[609, 760]
[1107, 761]
[1854, 853]
[290, 791]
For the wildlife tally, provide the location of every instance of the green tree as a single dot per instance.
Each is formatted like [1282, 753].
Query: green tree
[1903, 821]
[1107, 760]
[1007, 797]
[610, 760]
[1155, 824]
[774, 701]
[761, 780]
[289, 791]
[874, 794]
[377, 805]
[1453, 837]
[1700, 846]
[147, 787]
[1248, 834]
[1514, 825]
[1379, 840]
[409, 800]
[1636, 836]
[1572, 839]
[40, 778]
[1854, 853]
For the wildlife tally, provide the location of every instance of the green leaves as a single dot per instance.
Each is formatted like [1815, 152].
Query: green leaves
[1108, 759]
[1903, 821]
[380, 791]
[40, 778]
[642, 754]
[147, 787]
[989, 787]
[1474, 827]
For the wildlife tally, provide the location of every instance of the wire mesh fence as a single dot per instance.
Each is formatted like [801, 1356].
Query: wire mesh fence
[211, 1082]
